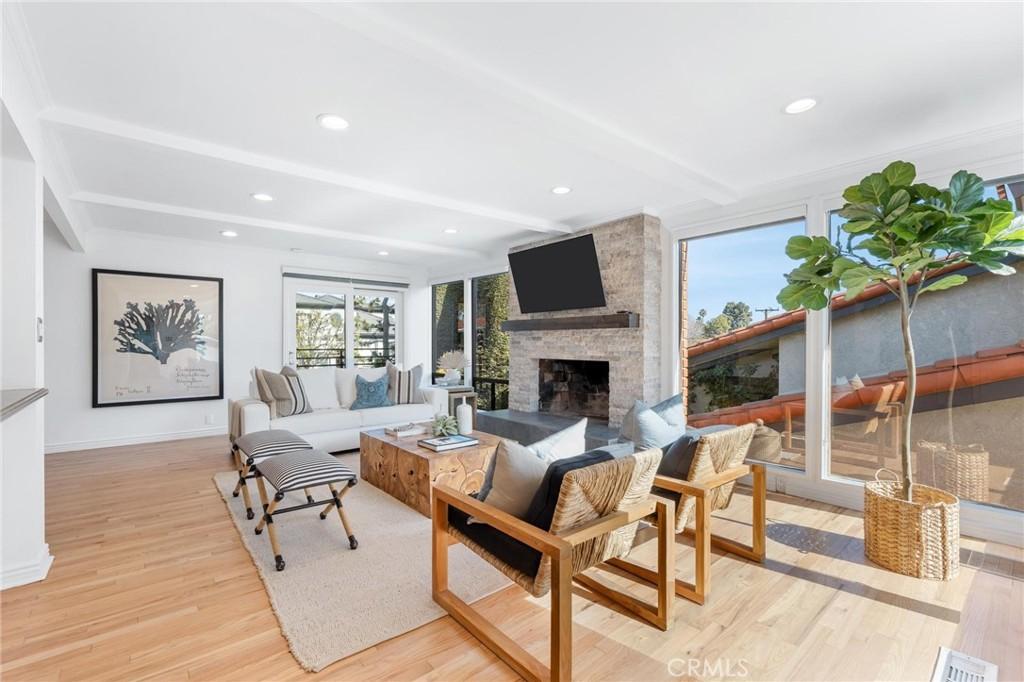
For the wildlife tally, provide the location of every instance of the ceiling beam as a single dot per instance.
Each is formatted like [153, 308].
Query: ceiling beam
[277, 225]
[558, 118]
[70, 118]
[25, 94]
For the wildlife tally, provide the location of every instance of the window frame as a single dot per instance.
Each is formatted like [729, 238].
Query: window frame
[293, 283]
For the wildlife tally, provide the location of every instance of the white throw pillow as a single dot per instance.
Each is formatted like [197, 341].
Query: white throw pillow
[518, 469]
[565, 443]
[320, 388]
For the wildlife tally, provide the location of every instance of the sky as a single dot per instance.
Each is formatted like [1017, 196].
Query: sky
[746, 265]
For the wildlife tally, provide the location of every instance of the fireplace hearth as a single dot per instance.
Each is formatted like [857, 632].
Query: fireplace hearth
[574, 387]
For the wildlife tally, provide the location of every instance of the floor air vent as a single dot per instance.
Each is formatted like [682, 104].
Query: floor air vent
[953, 666]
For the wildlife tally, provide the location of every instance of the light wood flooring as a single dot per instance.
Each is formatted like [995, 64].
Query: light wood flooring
[151, 581]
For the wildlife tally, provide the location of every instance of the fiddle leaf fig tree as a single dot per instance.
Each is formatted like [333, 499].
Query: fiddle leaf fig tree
[907, 237]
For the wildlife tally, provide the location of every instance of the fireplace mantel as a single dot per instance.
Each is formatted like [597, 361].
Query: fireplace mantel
[622, 320]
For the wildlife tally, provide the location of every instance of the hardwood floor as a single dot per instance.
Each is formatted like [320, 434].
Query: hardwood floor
[151, 581]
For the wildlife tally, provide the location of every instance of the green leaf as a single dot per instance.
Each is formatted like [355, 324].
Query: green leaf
[994, 224]
[852, 194]
[875, 189]
[899, 173]
[995, 267]
[903, 232]
[925, 191]
[858, 226]
[814, 298]
[896, 205]
[945, 283]
[789, 297]
[861, 211]
[799, 246]
[966, 190]
[855, 280]
[842, 264]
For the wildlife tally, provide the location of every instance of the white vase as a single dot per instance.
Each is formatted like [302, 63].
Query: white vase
[464, 415]
[453, 377]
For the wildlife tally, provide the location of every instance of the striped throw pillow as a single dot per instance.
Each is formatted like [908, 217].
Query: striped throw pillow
[404, 385]
[282, 392]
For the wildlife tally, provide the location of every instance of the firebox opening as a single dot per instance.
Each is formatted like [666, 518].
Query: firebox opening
[574, 387]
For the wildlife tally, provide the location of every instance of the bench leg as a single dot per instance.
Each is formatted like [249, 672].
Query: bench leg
[352, 542]
[268, 516]
[263, 498]
[243, 472]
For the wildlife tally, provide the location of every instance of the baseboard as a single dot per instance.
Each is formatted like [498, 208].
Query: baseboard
[68, 446]
[28, 572]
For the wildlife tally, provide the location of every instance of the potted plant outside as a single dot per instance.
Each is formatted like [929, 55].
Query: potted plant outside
[911, 238]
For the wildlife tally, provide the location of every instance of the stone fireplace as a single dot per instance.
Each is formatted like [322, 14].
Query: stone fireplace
[574, 387]
[629, 255]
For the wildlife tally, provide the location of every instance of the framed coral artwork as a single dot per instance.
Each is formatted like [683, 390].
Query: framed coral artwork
[156, 338]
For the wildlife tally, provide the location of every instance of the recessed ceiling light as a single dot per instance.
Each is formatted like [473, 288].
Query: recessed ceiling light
[450, 230]
[561, 190]
[382, 253]
[800, 106]
[194, 286]
[295, 249]
[261, 196]
[332, 122]
[228, 233]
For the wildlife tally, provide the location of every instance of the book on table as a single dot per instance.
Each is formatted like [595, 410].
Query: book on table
[443, 443]
[405, 430]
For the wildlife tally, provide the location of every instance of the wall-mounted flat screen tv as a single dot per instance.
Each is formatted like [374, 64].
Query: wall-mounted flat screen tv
[558, 276]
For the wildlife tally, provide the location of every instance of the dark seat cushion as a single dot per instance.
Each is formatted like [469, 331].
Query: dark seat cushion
[516, 554]
[678, 457]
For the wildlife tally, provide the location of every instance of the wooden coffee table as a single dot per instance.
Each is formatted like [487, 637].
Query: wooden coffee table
[407, 472]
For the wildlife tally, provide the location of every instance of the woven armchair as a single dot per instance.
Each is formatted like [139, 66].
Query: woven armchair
[596, 517]
[717, 465]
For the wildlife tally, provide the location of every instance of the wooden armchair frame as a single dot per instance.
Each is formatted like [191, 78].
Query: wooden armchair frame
[559, 548]
[703, 538]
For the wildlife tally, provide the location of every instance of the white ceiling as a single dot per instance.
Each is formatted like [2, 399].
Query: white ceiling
[465, 115]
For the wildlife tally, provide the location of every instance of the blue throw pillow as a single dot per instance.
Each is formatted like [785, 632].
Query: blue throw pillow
[371, 393]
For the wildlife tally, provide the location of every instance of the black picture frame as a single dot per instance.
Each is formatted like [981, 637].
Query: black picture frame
[96, 275]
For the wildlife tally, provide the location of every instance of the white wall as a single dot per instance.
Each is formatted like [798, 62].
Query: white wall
[252, 329]
[24, 554]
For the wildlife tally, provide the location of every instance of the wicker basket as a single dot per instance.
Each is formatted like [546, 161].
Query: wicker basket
[920, 538]
[958, 469]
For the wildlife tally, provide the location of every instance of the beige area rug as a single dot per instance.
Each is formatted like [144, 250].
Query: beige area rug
[332, 601]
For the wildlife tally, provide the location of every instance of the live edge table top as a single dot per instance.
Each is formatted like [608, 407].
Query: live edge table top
[407, 472]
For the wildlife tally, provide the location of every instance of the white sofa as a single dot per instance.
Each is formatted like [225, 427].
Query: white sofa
[332, 426]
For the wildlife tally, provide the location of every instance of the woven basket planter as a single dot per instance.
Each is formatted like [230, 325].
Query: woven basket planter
[920, 538]
[958, 469]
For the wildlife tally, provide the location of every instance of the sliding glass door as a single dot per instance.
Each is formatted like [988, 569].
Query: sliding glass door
[745, 356]
[447, 321]
[490, 344]
[376, 328]
[830, 385]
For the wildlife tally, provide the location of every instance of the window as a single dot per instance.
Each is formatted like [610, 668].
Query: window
[448, 311]
[745, 356]
[968, 426]
[330, 323]
[490, 296]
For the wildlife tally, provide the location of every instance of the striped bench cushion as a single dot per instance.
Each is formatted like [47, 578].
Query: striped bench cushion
[304, 469]
[261, 444]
